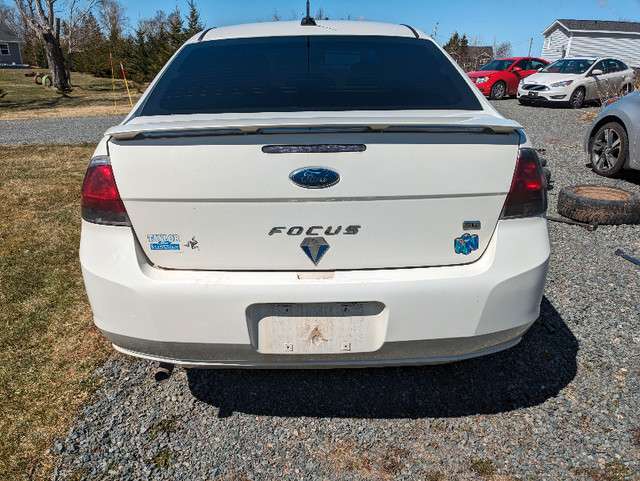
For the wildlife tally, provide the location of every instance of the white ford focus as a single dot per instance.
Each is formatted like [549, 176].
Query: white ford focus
[301, 195]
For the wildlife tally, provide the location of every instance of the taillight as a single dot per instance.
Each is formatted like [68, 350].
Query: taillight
[101, 202]
[528, 193]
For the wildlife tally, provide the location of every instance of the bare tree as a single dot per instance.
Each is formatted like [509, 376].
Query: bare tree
[320, 15]
[112, 18]
[275, 16]
[501, 50]
[9, 18]
[46, 25]
[76, 36]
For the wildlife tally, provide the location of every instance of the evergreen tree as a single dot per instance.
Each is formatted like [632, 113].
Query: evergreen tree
[457, 46]
[194, 24]
[175, 31]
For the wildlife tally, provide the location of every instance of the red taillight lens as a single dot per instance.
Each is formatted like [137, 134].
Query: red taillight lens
[101, 202]
[528, 194]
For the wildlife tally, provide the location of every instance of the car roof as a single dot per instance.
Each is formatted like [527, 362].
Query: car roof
[516, 58]
[323, 27]
[582, 58]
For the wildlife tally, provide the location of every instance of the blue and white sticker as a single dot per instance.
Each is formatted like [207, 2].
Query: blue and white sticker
[465, 244]
[164, 242]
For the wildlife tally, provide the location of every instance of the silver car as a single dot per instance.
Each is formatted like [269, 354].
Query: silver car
[577, 80]
[613, 139]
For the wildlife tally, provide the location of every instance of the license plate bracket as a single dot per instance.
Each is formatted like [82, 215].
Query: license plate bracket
[323, 328]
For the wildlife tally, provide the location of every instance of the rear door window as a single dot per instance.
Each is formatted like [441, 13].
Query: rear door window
[309, 73]
[537, 65]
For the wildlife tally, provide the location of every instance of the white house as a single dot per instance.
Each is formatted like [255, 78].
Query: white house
[573, 38]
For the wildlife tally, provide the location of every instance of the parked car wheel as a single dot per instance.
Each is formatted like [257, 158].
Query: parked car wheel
[577, 98]
[594, 204]
[608, 149]
[498, 91]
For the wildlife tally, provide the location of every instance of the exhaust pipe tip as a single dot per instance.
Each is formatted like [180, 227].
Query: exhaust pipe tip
[163, 372]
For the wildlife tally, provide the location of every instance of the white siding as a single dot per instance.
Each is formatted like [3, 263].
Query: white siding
[556, 44]
[622, 46]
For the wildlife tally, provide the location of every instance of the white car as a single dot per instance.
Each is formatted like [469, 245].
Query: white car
[301, 195]
[577, 80]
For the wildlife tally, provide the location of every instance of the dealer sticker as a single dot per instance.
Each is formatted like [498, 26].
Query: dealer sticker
[164, 242]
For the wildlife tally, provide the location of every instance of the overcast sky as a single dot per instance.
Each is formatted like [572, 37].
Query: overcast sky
[516, 21]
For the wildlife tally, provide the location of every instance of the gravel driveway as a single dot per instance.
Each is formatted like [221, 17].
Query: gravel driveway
[56, 131]
[563, 404]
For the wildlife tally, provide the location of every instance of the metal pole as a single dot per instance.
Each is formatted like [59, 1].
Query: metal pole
[126, 84]
[530, 44]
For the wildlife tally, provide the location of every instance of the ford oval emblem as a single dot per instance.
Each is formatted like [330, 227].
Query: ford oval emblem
[314, 177]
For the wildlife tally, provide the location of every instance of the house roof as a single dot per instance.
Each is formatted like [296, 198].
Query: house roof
[595, 26]
[7, 35]
[477, 51]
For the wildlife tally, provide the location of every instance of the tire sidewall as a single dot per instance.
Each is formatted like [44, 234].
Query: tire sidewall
[624, 149]
[573, 94]
[598, 211]
[504, 91]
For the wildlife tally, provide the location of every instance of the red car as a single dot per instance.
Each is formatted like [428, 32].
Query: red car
[500, 77]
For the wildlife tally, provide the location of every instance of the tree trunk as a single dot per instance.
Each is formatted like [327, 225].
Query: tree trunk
[69, 57]
[55, 59]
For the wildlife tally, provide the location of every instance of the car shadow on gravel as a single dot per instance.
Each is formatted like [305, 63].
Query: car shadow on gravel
[526, 375]
[631, 176]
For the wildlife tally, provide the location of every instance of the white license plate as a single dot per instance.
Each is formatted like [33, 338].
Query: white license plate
[332, 328]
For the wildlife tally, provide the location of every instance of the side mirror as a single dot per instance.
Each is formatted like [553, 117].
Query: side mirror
[516, 69]
[596, 71]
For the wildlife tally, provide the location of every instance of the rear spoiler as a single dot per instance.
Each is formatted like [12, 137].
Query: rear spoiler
[219, 125]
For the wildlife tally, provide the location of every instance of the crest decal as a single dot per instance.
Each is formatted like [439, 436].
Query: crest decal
[465, 244]
[315, 248]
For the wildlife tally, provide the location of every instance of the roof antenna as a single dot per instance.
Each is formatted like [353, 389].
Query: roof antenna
[308, 20]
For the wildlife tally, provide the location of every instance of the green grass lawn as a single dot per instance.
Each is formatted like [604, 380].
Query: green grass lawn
[22, 98]
[48, 343]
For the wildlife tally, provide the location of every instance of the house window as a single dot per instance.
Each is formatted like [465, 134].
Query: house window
[4, 49]
[547, 41]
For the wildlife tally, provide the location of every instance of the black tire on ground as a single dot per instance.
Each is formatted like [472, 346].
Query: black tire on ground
[524, 101]
[577, 98]
[498, 91]
[626, 89]
[608, 149]
[594, 204]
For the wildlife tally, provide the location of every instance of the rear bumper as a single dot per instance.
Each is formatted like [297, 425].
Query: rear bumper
[202, 318]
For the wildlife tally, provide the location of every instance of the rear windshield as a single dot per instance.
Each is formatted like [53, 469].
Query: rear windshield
[327, 73]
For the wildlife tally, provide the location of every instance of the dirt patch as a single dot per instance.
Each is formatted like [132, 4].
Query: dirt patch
[589, 116]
